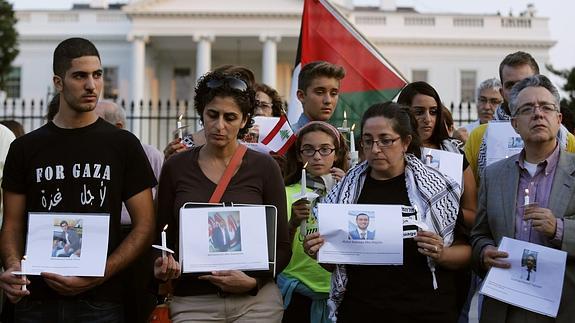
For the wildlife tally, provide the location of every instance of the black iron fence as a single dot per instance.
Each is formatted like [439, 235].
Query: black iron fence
[155, 122]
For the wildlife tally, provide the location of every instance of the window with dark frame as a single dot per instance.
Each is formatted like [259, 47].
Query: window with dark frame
[111, 82]
[468, 85]
[183, 83]
[13, 83]
[419, 75]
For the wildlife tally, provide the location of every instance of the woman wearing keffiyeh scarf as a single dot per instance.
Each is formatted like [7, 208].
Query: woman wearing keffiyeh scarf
[421, 289]
[425, 104]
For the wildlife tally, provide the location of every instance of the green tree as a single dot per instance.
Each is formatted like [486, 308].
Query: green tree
[569, 87]
[8, 40]
[568, 102]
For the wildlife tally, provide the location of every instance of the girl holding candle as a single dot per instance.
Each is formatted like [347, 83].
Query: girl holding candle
[323, 151]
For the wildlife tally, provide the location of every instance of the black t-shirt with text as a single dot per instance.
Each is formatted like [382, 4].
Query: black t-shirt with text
[92, 169]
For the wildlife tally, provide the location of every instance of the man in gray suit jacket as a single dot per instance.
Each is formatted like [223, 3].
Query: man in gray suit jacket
[543, 167]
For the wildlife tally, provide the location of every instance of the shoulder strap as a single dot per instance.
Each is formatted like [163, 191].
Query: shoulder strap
[228, 173]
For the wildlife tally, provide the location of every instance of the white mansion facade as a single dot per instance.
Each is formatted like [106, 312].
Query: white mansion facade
[155, 49]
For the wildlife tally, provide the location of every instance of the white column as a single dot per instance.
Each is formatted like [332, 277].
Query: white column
[203, 54]
[269, 59]
[138, 66]
[138, 71]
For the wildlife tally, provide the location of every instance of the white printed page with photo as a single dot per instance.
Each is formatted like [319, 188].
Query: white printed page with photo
[223, 238]
[501, 141]
[448, 163]
[361, 234]
[68, 244]
[534, 281]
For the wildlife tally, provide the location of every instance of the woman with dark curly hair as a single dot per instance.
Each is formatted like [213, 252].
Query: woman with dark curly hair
[268, 102]
[197, 138]
[225, 102]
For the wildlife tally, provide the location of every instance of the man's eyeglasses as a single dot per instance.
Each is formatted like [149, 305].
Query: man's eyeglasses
[232, 82]
[492, 101]
[529, 109]
[381, 143]
[263, 105]
[323, 151]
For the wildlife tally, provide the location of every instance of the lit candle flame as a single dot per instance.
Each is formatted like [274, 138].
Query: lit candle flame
[165, 227]
[353, 127]
[180, 117]
[305, 165]
[526, 200]
[344, 115]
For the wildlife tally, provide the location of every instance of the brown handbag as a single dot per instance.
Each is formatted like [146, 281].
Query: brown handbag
[161, 313]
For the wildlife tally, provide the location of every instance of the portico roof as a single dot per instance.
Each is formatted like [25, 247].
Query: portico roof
[226, 8]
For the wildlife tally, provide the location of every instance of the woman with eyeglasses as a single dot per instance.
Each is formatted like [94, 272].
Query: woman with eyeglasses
[304, 284]
[225, 103]
[424, 102]
[268, 102]
[420, 290]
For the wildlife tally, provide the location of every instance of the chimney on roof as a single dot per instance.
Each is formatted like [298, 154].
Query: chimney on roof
[387, 5]
[531, 11]
[99, 4]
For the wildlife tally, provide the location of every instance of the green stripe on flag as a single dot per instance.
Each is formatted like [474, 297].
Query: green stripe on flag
[355, 103]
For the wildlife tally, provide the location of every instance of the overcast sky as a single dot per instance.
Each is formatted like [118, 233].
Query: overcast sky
[559, 12]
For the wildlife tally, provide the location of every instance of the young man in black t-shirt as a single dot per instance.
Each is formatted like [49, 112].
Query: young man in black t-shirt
[76, 164]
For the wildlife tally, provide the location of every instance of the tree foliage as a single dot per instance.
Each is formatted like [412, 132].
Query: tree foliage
[567, 103]
[8, 40]
[569, 87]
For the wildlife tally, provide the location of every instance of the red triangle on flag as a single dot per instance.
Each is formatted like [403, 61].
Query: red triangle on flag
[328, 36]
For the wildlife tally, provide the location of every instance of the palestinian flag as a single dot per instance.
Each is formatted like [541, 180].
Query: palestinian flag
[280, 137]
[327, 35]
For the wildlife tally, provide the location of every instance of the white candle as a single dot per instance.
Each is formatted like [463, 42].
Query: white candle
[164, 243]
[344, 125]
[22, 269]
[303, 180]
[526, 197]
[351, 139]
[179, 126]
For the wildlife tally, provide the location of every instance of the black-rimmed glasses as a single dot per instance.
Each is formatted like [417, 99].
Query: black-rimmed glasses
[232, 82]
[381, 143]
[323, 151]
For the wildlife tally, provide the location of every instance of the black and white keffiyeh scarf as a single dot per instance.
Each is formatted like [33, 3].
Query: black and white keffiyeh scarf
[452, 145]
[501, 115]
[434, 196]
[320, 184]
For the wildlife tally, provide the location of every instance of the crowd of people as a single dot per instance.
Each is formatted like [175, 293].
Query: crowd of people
[445, 256]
